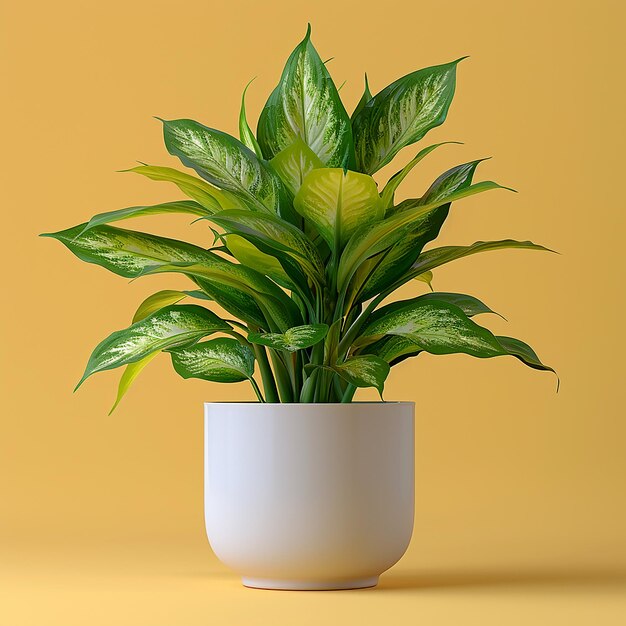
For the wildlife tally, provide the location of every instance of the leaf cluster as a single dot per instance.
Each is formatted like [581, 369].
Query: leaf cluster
[305, 245]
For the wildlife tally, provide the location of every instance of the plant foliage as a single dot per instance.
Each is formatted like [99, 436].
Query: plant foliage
[306, 245]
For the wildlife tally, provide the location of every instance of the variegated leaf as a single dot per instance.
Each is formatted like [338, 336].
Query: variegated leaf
[275, 237]
[306, 104]
[245, 132]
[182, 206]
[150, 305]
[293, 163]
[439, 256]
[129, 253]
[364, 371]
[468, 304]
[372, 239]
[402, 114]
[168, 327]
[393, 349]
[157, 301]
[379, 272]
[455, 179]
[225, 162]
[396, 180]
[221, 360]
[125, 252]
[209, 197]
[526, 355]
[434, 326]
[251, 256]
[279, 312]
[397, 260]
[365, 98]
[338, 202]
[293, 339]
[147, 307]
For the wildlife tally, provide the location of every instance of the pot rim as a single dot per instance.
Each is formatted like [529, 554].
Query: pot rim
[296, 404]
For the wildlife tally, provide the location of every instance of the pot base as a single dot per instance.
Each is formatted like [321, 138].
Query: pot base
[314, 585]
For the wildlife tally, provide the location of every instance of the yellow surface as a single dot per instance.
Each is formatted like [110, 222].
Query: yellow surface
[521, 510]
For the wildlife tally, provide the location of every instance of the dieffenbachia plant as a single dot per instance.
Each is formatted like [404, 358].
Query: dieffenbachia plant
[306, 246]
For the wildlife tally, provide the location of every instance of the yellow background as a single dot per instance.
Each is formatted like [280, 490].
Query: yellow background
[521, 510]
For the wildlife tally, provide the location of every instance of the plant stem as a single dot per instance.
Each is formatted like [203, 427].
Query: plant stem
[269, 384]
[350, 335]
[282, 378]
[339, 391]
[255, 386]
[348, 394]
[308, 388]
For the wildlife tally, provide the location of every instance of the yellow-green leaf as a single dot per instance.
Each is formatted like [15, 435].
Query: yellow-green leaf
[338, 202]
[209, 197]
[293, 164]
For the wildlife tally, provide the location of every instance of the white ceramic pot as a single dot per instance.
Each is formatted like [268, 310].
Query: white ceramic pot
[309, 496]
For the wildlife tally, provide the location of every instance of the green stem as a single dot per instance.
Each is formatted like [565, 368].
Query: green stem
[348, 394]
[351, 334]
[308, 388]
[338, 387]
[255, 386]
[282, 378]
[269, 384]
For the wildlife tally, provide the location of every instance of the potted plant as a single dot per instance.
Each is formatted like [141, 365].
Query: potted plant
[304, 489]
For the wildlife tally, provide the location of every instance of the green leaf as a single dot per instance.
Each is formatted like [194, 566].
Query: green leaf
[338, 202]
[293, 339]
[468, 304]
[372, 239]
[150, 305]
[168, 327]
[439, 256]
[182, 206]
[525, 354]
[393, 349]
[306, 104]
[377, 273]
[394, 182]
[221, 360]
[398, 259]
[125, 252]
[364, 371]
[208, 196]
[245, 133]
[426, 277]
[157, 301]
[279, 312]
[226, 163]
[453, 180]
[196, 293]
[365, 98]
[293, 163]
[251, 256]
[402, 114]
[275, 237]
[434, 326]
[130, 254]
[131, 371]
